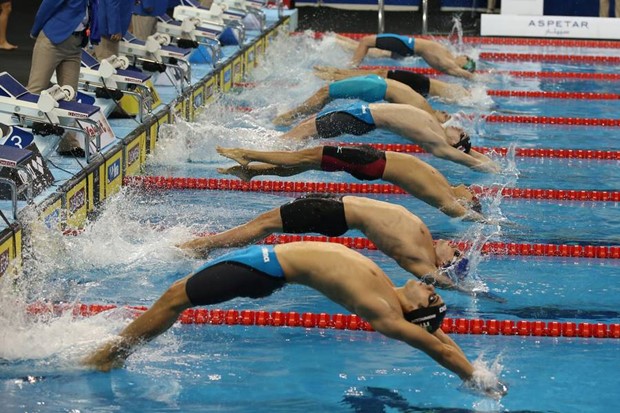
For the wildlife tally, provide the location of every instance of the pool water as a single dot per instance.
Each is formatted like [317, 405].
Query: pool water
[127, 257]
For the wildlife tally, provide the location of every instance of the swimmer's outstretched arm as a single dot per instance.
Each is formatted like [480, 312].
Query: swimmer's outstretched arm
[445, 151]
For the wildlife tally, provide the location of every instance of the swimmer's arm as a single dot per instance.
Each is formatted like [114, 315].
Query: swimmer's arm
[444, 151]
[445, 354]
[197, 247]
[444, 338]
[460, 72]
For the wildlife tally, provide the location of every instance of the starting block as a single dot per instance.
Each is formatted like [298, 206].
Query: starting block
[191, 28]
[53, 111]
[156, 55]
[23, 169]
[216, 14]
[111, 75]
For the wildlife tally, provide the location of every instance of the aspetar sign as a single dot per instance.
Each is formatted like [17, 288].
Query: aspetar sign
[550, 26]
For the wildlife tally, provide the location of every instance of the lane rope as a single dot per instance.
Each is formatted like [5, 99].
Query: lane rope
[531, 94]
[161, 182]
[539, 57]
[507, 41]
[520, 152]
[523, 74]
[340, 321]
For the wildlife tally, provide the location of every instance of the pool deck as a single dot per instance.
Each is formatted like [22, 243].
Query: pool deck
[79, 187]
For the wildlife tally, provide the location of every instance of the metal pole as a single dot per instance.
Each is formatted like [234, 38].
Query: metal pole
[381, 6]
[424, 17]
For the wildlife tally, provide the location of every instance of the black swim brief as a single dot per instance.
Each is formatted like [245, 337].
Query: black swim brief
[338, 123]
[321, 213]
[226, 279]
[363, 162]
[416, 81]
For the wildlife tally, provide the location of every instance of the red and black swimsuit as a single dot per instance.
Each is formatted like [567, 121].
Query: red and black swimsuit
[363, 162]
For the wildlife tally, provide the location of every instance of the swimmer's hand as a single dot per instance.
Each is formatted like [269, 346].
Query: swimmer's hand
[193, 249]
[490, 167]
[485, 386]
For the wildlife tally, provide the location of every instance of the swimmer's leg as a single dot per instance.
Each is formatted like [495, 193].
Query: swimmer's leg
[306, 129]
[246, 173]
[313, 104]
[362, 49]
[248, 233]
[334, 73]
[309, 158]
[153, 322]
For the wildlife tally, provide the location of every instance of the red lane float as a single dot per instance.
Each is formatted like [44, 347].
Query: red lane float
[169, 183]
[340, 321]
[493, 248]
[532, 57]
[533, 94]
[610, 77]
[507, 41]
[521, 152]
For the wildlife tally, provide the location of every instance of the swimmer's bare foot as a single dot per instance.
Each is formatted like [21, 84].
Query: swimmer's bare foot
[234, 154]
[7, 46]
[240, 172]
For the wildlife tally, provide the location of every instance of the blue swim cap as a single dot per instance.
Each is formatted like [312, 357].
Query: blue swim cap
[458, 270]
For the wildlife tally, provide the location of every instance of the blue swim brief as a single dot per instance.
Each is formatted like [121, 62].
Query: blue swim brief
[370, 88]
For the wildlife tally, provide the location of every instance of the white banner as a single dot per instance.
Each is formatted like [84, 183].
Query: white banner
[550, 26]
[524, 7]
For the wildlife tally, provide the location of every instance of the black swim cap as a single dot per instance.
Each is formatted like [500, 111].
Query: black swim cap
[464, 143]
[428, 317]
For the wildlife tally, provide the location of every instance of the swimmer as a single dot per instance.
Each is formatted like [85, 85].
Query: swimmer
[365, 163]
[450, 143]
[412, 313]
[419, 83]
[369, 88]
[434, 54]
[394, 230]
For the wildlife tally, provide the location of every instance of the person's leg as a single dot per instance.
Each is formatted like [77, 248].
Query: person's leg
[68, 73]
[246, 173]
[306, 129]
[398, 92]
[334, 73]
[362, 49]
[5, 11]
[313, 104]
[143, 26]
[617, 9]
[490, 6]
[310, 157]
[248, 233]
[45, 58]
[106, 48]
[603, 10]
[153, 322]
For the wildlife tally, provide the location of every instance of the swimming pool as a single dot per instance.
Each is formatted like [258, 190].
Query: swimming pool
[126, 257]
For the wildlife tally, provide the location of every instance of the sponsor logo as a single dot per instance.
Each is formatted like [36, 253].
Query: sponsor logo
[77, 114]
[52, 219]
[4, 261]
[114, 170]
[559, 24]
[265, 254]
[133, 154]
[77, 201]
